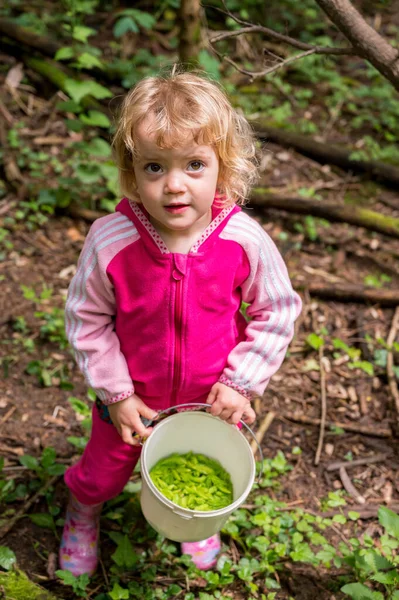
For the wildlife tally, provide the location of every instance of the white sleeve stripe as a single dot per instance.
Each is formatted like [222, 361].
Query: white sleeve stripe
[77, 285]
[280, 322]
[82, 357]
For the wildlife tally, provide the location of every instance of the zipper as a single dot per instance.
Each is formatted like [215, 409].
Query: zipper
[178, 336]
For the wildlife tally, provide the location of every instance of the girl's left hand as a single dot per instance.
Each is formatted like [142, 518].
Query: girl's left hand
[229, 405]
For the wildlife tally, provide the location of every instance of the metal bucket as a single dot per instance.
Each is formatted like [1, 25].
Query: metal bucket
[198, 432]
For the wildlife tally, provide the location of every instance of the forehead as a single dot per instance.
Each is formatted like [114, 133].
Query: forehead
[146, 143]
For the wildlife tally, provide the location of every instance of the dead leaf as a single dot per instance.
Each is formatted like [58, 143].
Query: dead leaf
[67, 272]
[15, 76]
[74, 235]
[51, 565]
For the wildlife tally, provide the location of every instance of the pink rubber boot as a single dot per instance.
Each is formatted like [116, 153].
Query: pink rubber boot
[79, 543]
[204, 553]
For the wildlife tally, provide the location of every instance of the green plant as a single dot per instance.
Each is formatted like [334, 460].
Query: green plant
[375, 563]
[83, 414]
[78, 584]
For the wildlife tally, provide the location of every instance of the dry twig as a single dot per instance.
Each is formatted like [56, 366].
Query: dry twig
[350, 488]
[24, 509]
[368, 460]
[323, 407]
[393, 386]
[362, 429]
[267, 421]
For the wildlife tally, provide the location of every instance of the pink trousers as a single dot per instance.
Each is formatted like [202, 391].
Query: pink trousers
[106, 464]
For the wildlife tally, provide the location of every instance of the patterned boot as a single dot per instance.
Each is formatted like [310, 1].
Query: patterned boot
[79, 543]
[204, 553]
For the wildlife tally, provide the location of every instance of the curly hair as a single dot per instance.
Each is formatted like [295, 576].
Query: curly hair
[188, 104]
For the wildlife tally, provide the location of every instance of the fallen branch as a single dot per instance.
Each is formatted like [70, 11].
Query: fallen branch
[24, 509]
[362, 429]
[267, 421]
[79, 212]
[27, 37]
[49, 47]
[323, 408]
[393, 386]
[353, 293]
[349, 487]
[365, 512]
[356, 463]
[354, 215]
[327, 153]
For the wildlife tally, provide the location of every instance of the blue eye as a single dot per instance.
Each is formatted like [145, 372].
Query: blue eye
[196, 166]
[153, 168]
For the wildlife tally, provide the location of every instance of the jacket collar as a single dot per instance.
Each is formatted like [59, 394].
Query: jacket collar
[137, 213]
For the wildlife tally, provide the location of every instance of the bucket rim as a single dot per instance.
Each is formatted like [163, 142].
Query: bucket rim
[190, 513]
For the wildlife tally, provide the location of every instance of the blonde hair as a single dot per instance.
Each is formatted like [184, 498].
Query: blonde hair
[185, 104]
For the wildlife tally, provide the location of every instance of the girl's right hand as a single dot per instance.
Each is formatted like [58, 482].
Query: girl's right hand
[126, 414]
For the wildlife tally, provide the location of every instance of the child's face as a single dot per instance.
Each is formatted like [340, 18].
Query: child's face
[176, 185]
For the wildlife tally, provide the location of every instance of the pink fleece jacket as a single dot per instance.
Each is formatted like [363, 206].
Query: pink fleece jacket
[168, 326]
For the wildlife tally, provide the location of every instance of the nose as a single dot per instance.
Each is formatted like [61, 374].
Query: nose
[174, 183]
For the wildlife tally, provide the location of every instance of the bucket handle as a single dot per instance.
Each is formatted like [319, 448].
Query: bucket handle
[203, 407]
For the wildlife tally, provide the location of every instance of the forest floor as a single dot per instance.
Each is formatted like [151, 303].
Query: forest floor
[34, 417]
[35, 413]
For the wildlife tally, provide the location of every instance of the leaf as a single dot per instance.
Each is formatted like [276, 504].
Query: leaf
[124, 556]
[310, 365]
[95, 118]
[119, 593]
[79, 406]
[66, 577]
[358, 591]
[364, 365]
[42, 520]
[389, 520]
[209, 63]
[339, 519]
[79, 89]
[48, 457]
[88, 61]
[303, 553]
[81, 33]
[99, 147]
[56, 469]
[353, 515]
[30, 462]
[314, 341]
[387, 578]
[88, 172]
[377, 562]
[325, 556]
[79, 443]
[144, 19]
[7, 558]
[124, 25]
[64, 53]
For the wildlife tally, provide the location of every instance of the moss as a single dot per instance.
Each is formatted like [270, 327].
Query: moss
[17, 586]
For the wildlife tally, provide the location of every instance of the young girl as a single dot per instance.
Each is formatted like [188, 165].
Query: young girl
[153, 312]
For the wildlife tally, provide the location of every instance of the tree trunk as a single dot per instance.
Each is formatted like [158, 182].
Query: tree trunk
[363, 38]
[190, 32]
[328, 154]
[361, 217]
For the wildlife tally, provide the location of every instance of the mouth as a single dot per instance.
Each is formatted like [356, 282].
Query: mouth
[176, 208]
